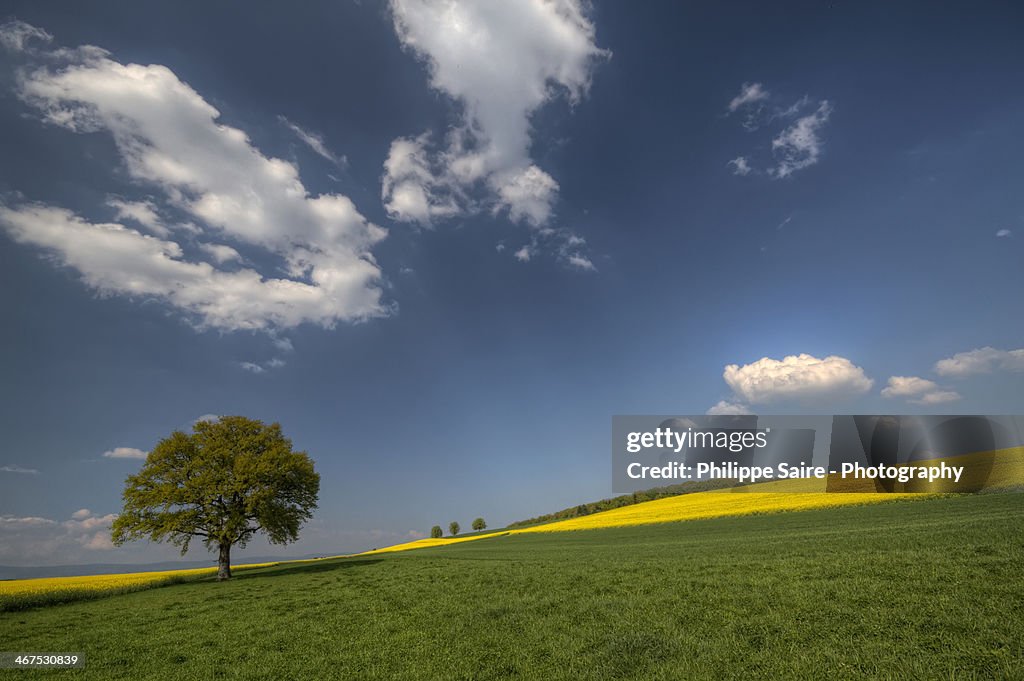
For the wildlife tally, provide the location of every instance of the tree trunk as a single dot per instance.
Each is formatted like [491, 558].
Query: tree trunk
[224, 562]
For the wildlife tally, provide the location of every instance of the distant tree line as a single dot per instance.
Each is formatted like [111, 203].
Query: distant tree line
[626, 500]
[454, 528]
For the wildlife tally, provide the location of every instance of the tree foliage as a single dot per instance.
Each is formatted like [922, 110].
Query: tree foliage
[479, 524]
[223, 483]
[436, 531]
[453, 528]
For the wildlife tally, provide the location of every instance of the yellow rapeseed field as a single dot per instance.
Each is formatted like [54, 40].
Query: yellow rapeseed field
[59, 589]
[776, 497]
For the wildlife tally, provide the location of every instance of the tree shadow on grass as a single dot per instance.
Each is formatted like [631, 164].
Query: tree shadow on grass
[304, 568]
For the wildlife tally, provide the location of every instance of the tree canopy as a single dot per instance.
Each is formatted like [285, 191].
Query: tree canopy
[225, 482]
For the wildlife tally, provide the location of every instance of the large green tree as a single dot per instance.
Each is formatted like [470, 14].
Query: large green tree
[223, 483]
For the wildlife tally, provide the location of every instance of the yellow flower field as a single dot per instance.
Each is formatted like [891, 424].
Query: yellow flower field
[697, 506]
[59, 589]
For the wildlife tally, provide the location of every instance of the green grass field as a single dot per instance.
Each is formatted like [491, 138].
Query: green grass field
[918, 589]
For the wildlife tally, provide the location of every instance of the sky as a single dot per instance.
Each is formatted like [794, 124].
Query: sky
[442, 243]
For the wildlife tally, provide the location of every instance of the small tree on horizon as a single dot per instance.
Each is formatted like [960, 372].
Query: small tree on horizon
[479, 524]
[223, 483]
[453, 528]
[436, 532]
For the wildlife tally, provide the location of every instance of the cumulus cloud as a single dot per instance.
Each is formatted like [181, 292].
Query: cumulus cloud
[905, 386]
[919, 390]
[937, 397]
[172, 140]
[207, 417]
[314, 141]
[125, 453]
[980, 361]
[499, 62]
[1003, 234]
[726, 408]
[13, 468]
[31, 539]
[796, 377]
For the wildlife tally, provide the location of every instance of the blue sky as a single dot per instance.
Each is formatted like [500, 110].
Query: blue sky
[442, 244]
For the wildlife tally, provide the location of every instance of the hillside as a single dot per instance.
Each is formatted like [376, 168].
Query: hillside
[897, 590]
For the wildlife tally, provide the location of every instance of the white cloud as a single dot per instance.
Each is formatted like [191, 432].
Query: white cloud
[938, 397]
[523, 254]
[314, 141]
[725, 408]
[252, 367]
[33, 539]
[282, 344]
[256, 368]
[581, 262]
[125, 453]
[921, 389]
[796, 377]
[905, 386]
[980, 361]
[500, 62]
[800, 145]
[276, 363]
[170, 138]
[13, 522]
[220, 253]
[212, 418]
[16, 35]
[749, 94]
[12, 468]
[142, 213]
[740, 166]
[1004, 233]
[796, 146]
[412, 190]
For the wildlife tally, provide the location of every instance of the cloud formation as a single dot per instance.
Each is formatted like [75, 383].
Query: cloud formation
[499, 62]
[14, 468]
[918, 390]
[749, 94]
[125, 453]
[800, 377]
[980, 361]
[726, 408]
[797, 145]
[800, 144]
[33, 539]
[315, 141]
[172, 141]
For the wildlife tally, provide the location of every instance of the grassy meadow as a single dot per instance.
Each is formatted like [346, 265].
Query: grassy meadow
[927, 588]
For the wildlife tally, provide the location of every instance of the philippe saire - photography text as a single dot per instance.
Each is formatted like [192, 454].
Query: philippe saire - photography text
[736, 441]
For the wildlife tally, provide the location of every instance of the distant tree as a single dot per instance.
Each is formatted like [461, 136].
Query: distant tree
[223, 483]
[479, 524]
[436, 531]
[453, 528]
